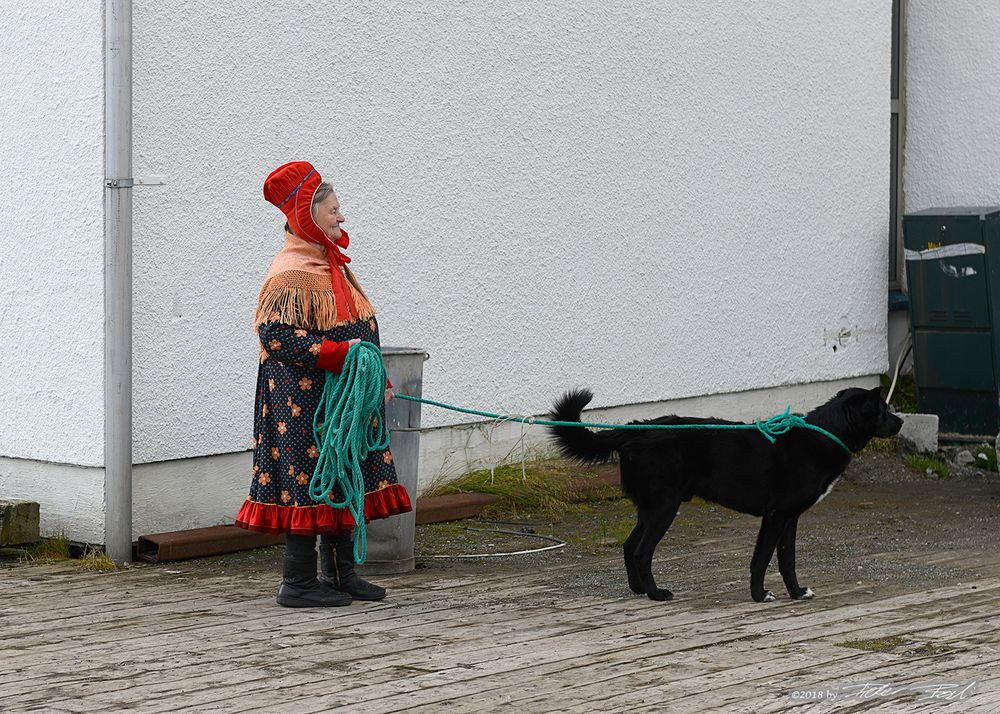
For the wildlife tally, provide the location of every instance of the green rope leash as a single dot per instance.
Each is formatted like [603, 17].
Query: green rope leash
[771, 428]
[347, 429]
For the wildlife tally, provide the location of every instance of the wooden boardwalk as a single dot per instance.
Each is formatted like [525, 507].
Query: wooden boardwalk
[171, 638]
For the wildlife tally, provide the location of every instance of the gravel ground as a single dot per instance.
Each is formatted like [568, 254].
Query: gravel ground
[866, 530]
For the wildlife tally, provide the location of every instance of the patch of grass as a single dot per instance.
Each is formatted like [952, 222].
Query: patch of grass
[990, 462]
[46, 550]
[96, 559]
[904, 398]
[548, 488]
[882, 644]
[925, 463]
[882, 446]
[898, 644]
[613, 533]
[50, 550]
[929, 649]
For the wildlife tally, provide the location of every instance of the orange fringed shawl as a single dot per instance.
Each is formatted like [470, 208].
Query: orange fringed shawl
[301, 290]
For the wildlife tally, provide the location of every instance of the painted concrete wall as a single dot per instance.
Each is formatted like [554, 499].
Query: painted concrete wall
[52, 233]
[220, 483]
[952, 104]
[70, 498]
[541, 197]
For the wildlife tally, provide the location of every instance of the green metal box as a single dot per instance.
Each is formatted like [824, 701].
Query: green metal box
[953, 273]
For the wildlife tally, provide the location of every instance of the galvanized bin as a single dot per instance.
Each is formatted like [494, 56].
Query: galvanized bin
[390, 540]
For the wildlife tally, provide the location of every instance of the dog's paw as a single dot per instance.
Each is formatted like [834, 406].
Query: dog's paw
[660, 594]
[803, 594]
[765, 596]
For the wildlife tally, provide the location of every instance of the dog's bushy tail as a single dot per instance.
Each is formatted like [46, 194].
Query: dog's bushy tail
[576, 442]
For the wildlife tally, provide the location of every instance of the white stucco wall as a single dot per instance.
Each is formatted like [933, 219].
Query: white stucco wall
[952, 104]
[655, 201]
[52, 256]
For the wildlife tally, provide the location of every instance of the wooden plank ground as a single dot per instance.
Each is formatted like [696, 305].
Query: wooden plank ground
[171, 638]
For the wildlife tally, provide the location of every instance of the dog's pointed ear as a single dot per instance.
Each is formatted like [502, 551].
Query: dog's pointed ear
[877, 391]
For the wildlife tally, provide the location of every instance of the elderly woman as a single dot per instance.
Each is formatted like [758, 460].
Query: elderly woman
[311, 309]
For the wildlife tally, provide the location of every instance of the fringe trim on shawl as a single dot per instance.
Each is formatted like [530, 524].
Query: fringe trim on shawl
[306, 300]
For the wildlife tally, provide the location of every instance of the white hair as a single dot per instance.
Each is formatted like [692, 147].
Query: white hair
[322, 192]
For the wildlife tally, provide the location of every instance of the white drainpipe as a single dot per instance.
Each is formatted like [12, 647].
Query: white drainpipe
[118, 280]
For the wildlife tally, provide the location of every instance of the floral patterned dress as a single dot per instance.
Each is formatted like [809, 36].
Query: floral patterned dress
[289, 385]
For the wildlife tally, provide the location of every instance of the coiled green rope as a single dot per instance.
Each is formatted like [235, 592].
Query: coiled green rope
[771, 428]
[348, 428]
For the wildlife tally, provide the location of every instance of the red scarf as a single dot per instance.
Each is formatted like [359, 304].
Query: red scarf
[343, 299]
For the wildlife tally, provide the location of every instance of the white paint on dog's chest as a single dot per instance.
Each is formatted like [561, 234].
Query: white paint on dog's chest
[828, 489]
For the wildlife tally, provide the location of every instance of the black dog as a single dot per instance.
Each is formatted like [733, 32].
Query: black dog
[739, 469]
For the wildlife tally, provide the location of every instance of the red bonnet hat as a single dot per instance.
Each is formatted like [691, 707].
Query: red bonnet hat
[291, 187]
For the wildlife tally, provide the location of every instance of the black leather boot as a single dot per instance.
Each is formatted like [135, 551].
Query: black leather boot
[300, 586]
[336, 558]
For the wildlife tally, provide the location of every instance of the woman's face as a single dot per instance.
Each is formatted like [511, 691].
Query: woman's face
[327, 215]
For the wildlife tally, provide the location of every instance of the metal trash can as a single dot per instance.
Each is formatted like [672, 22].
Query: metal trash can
[390, 540]
[953, 274]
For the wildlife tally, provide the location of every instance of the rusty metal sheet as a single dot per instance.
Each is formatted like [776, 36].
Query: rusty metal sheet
[201, 542]
[452, 507]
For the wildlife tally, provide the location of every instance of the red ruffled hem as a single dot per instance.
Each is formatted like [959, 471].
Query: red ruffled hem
[312, 520]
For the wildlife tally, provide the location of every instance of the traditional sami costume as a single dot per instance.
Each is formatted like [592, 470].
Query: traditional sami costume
[309, 307]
